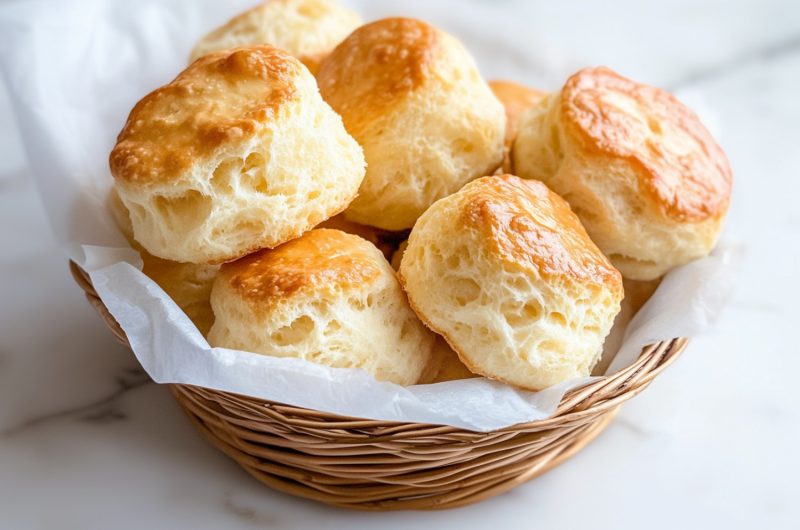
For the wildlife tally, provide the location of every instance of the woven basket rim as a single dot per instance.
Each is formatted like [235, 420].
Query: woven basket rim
[379, 465]
[577, 403]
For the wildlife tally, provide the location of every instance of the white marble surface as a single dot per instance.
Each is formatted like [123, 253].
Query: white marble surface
[87, 442]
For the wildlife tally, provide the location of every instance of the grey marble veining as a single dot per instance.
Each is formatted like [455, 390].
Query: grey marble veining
[786, 46]
[87, 442]
[102, 410]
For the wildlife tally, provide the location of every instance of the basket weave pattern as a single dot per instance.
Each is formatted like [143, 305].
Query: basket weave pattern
[384, 465]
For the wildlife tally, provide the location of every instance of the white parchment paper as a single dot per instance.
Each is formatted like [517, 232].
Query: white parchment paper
[75, 69]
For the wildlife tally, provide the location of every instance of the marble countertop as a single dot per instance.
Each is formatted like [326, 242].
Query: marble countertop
[87, 441]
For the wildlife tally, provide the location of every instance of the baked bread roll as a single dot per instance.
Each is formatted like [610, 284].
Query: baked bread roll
[327, 297]
[444, 365]
[413, 98]
[647, 180]
[506, 273]
[188, 284]
[307, 29]
[238, 153]
[516, 99]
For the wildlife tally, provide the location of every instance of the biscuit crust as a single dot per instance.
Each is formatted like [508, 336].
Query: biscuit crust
[307, 29]
[504, 271]
[680, 165]
[238, 153]
[646, 178]
[327, 297]
[412, 96]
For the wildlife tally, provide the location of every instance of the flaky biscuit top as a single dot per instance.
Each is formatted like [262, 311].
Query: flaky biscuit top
[222, 98]
[307, 29]
[525, 224]
[682, 168]
[320, 260]
[377, 66]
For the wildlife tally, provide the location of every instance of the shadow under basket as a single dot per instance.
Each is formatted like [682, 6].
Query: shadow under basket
[387, 465]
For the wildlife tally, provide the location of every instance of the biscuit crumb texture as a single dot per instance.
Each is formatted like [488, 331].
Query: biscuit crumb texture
[327, 297]
[504, 271]
[238, 153]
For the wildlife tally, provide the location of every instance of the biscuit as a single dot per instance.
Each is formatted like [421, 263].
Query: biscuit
[506, 273]
[412, 96]
[516, 99]
[307, 29]
[327, 297]
[238, 153]
[646, 178]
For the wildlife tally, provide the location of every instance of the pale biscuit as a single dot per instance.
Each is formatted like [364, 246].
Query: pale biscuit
[308, 29]
[188, 284]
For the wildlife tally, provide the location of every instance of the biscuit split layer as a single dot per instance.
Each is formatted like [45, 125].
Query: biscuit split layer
[238, 153]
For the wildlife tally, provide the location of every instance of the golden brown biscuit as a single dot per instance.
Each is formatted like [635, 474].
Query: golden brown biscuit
[238, 153]
[516, 99]
[506, 273]
[413, 98]
[327, 297]
[188, 284]
[646, 178]
[307, 29]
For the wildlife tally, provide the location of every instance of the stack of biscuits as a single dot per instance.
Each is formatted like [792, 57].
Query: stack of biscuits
[358, 196]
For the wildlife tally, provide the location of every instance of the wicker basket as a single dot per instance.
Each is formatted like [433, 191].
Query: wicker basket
[383, 465]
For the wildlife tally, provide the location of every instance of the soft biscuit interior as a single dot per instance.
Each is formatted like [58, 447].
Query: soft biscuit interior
[504, 271]
[238, 153]
[266, 201]
[188, 284]
[327, 297]
[412, 96]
